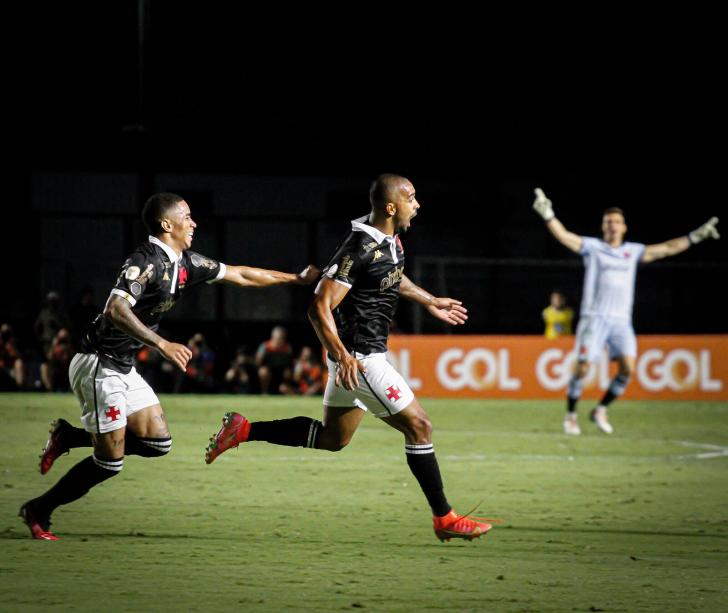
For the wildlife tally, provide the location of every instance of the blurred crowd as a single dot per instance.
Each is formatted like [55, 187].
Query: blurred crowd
[273, 367]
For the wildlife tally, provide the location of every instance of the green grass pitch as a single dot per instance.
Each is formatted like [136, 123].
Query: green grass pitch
[636, 521]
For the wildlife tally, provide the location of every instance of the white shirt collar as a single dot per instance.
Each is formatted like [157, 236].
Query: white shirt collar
[360, 225]
[171, 254]
[173, 257]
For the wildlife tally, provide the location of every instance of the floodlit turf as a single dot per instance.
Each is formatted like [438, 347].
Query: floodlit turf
[636, 521]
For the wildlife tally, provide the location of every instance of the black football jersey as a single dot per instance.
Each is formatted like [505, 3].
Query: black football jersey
[371, 264]
[152, 280]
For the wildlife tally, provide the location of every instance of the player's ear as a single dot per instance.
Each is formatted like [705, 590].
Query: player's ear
[391, 208]
[166, 225]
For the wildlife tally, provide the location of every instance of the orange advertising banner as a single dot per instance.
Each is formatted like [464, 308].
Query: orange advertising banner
[668, 367]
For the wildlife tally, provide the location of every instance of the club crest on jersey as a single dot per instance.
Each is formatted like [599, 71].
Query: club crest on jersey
[391, 279]
[182, 276]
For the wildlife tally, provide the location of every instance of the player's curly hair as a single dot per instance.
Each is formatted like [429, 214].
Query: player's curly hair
[155, 209]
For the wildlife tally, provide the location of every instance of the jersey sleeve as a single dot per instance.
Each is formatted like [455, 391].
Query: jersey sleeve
[639, 249]
[588, 244]
[136, 275]
[345, 263]
[203, 269]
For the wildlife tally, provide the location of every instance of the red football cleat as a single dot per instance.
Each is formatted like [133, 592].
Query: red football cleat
[235, 430]
[40, 530]
[54, 447]
[453, 525]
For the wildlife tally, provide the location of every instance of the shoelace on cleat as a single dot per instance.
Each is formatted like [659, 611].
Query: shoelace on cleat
[469, 516]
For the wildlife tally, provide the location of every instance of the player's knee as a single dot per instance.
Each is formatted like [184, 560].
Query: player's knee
[626, 370]
[110, 467]
[337, 443]
[420, 429]
[580, 370]
[331, 440]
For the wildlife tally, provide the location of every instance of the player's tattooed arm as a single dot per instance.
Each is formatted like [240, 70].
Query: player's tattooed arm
[449, 310]
[327, 297]
[246, 276]
[119, 312]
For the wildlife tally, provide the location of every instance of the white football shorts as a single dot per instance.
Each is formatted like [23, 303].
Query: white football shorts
[382, 390]
[107, 397]
[593, 332]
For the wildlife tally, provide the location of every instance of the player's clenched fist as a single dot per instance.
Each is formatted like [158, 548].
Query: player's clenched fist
[542, 205]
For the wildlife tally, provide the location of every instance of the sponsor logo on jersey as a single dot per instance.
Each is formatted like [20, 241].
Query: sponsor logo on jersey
[377, 255]
[346, 264]
[391, 279]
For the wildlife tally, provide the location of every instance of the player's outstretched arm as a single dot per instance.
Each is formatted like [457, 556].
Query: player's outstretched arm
[680, 244]
[245, 276]
[327, 297]
[543, 206]
[118, 311]
[449, 310]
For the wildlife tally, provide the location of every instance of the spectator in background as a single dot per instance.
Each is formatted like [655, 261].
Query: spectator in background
[154, 369]
[84, 312]
[12, 367]
[558, 316]
[239, 375]
[198, 377]
[54, 371]
[274, 360]
[307, 375]
[51, 318]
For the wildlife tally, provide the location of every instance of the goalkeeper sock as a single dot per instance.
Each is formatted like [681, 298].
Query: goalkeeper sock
[616, 388]
[574, 393]
[293, 432]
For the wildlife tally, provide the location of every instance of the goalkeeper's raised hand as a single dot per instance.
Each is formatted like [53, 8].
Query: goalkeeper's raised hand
[542, 205]
[707, 230]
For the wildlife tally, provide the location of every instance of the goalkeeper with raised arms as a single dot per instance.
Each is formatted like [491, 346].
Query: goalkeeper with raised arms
[605, 317]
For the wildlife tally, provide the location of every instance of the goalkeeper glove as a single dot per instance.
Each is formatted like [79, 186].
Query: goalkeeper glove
[707, 230]
[542, 205]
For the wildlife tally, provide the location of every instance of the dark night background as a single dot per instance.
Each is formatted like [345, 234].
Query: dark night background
[273, 126]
